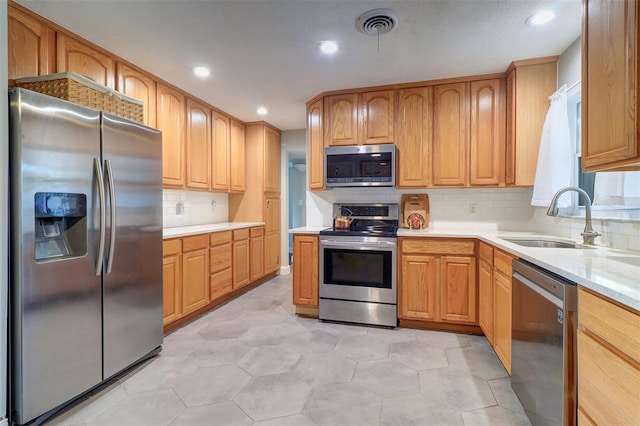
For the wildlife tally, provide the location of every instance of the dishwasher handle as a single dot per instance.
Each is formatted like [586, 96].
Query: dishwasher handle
[542, 292]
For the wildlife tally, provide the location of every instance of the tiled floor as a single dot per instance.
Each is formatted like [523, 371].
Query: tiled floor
[253, 362]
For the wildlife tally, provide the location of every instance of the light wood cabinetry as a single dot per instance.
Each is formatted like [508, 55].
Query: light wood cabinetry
[485, 290]
[170, 119]
[305, 270]
[138, 85]
[610, 81]
[256, 252]
[241, 256]
[272, 160]
[76, 56]
[502, 306]
[608, 361]
[529, 85]
[31, 45]
[195, 273]
[220, 152]
[415, 115]
[171, 281]
[272, 234]
[376, 118]
[198, 145]
[341, 115]
[487, 136]
[220, 264]
[236, 167]
[315, 145]
[438, 280]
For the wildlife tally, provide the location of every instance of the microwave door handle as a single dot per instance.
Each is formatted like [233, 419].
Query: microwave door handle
[100, 257]
[112, 203]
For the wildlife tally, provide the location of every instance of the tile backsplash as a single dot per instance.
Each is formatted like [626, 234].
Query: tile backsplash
[184, 208]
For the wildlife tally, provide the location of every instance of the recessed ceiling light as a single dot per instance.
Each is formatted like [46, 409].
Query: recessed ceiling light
[328, 47]
[540, 18]
[201, 71]
[262, 111]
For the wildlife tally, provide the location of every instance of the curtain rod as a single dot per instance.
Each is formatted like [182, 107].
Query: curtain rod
[574, 85]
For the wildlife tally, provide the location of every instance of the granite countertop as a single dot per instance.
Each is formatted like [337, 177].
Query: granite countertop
[611, 272]
[183, 231]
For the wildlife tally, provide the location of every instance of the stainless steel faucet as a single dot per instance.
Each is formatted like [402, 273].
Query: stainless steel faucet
[588, 235]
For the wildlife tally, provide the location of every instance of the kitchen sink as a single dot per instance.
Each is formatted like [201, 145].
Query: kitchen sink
[545, 243]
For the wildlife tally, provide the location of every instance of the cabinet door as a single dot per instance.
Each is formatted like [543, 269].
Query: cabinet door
[241, 275]
[377, 117]
[502, 318]
[237, 166]
[458, 292]
[271, 160]
[256, 249]
[487, 141]
[139, 86]
[510, 142]
[171, 285]
[341, 113]
[198, 145]
[610, 78]
[85, 60]
[220, 152]
[485, 299]
[450, 134]
[272, 215]
[195, 280]
[315, 145]
[305, 270]
[418, 288]
[171, 112]
[31, 46]
[415, 114]
[272, 235]
[221, 283]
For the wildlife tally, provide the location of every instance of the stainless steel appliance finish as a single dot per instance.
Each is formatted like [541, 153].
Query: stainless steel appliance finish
[86, 250]
[361, 165]
[543, 358]
[358, 267]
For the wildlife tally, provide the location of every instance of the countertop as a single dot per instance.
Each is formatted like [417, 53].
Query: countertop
[183, 231]
[611, 272]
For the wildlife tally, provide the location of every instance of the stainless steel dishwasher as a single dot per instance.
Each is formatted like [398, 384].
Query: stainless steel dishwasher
[543, 355]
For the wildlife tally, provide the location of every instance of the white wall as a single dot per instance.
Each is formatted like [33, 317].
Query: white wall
[4, 207]
[184, 208]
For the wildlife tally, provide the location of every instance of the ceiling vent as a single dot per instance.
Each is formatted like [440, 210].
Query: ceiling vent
[376, 22]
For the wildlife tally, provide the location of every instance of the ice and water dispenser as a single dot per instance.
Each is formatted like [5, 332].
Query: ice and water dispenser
[61, 225]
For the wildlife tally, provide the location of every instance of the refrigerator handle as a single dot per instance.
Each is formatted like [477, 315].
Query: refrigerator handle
[112, 203]
[99, 259]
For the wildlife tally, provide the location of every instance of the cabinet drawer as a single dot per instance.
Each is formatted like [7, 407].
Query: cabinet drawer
[257, 231]
[170, 247]
[219, 258]
[438, 246]
[196, 242]
[241, 234]
[607, 384]
[220, 283]
[613, 324]
[485, 252]
[218, 238]
[503, 262]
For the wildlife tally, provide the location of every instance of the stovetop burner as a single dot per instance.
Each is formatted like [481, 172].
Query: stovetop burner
[370, 220]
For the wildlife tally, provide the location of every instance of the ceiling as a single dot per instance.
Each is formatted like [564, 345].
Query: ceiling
[265, 52]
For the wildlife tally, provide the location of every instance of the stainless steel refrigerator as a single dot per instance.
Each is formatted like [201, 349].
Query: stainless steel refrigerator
[86, 250]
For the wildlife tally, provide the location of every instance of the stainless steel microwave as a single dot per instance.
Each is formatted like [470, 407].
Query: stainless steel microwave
[361, 165]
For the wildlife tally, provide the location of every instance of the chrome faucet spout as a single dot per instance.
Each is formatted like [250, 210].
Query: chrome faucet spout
[588, 235]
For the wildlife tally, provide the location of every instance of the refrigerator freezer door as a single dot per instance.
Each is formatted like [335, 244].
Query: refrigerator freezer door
[56, 339]
[132, 157]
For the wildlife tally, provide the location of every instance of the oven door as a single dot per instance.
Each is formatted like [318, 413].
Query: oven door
[358, 269]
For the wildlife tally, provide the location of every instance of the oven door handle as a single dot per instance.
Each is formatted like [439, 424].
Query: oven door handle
[356, 245]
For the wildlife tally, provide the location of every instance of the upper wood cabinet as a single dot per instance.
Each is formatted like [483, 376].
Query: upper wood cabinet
[341, 114]
[450, 134]
[30, 45]
[487, 141]
[529, 85]
[198, 145]
[237, 163]
[305, 270]
[376, 117]
[610, 85]
[415, 115]
[272, 160]
[138, 85]
[220, 155]
[315, 145]
[83, 59]
[170, 119]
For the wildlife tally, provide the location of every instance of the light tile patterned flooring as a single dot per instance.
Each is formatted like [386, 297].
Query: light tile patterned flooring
[253, 362]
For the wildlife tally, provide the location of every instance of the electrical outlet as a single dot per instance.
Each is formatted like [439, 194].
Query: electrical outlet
[213, 203]
[179, 209]
[473, 209]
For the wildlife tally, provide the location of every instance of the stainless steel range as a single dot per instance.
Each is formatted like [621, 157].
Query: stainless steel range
[358, 266]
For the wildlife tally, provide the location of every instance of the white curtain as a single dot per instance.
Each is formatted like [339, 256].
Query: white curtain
[555, 158]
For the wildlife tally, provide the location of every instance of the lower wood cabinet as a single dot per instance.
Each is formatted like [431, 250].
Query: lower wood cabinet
[438, 280]
[195, 273]
[485, 290]
[256, 253]
[502, 270]
[241, 274]
[305, 270]
[221, 276]
[171, 281]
